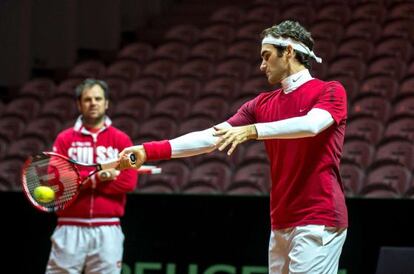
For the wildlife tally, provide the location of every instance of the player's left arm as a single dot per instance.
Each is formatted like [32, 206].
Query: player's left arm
[119, 181]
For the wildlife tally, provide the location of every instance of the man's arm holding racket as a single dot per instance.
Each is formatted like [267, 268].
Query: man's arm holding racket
[194, 143]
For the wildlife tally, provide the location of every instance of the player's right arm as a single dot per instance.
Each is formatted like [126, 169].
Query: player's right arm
[194, 143]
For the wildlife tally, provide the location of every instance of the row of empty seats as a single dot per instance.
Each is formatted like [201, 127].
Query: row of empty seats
[199, 75]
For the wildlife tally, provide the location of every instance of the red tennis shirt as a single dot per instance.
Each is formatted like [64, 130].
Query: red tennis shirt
[306, 185]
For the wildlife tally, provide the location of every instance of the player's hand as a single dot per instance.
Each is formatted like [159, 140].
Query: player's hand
[234, 136]
[124, 157]
[108, 174]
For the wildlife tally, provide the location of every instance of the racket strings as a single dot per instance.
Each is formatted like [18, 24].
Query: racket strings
[58, 174]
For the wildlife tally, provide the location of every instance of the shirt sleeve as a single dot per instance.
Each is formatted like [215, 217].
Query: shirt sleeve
[245, 115]
[333, 99]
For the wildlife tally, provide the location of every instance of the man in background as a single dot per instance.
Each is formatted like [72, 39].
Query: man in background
[88, 237]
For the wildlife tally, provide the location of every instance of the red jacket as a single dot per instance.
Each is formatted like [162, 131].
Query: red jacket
[108, 198]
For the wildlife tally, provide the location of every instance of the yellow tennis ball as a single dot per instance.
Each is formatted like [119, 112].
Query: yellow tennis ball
[44, 194]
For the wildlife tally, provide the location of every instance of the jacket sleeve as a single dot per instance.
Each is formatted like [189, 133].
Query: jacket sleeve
[126, 180]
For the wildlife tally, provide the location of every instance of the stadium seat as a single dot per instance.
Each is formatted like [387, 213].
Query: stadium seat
[136, 107]
[212, 50]
[249, 50]
[404, 106]
[127, 124]
[394, 46]
[158, 128]
[88, 69]
[138, 52]
[406, 86]
[356, 46]
[352, 178]
[336, 11]
[176, 51]
[386, 181]
[253, 179]
[11, 127]
[326, 49]
[46, 128]
[403, 9]
[359, 152]
[208, 177]
[253, 86]
[367, 128]
[162, 68]
[26, 146]
[402, 128]
[224, 86]
[371, 10]
[261, 13]
[176, 107]
[4, 144]
[175, 173]
[150, 87]
[236, 67]
[221, 32]
[250, 31]
[10, 174]
[374, 106]
[42, 88]
[214, 107]
[68, 86]
[232, 15]
[398, 150]
[194, 123]
[401, 27]
[348, 65]
[327, 30]
[26, 107]
[386, 65]
[363, 28]
[200, 68]
[63, 107]
[123, 68]
[185, 86]
[118, 87]
[304, 11]
[380, 85]
[186, 33]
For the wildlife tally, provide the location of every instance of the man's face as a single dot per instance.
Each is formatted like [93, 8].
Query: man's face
[92, 104]
[275, 67]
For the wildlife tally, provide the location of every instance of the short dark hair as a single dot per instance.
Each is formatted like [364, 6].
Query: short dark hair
[89, 83]
[294, 30]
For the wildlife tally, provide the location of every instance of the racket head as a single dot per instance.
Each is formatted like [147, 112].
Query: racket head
[55, 171]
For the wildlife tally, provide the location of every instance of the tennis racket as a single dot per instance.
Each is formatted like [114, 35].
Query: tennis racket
[60, 176]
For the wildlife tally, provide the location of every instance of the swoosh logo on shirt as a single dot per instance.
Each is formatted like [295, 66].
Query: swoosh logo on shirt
[294, 80]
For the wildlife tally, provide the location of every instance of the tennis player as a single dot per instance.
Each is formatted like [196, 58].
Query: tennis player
[88, 237]
[302, 125]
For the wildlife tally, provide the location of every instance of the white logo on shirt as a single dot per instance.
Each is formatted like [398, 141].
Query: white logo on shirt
[85, 155]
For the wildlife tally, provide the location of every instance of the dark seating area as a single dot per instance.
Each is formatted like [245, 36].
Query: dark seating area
[196, 75]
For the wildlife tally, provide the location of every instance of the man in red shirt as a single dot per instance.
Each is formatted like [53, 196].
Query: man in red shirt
[88, 237]
[303, 126]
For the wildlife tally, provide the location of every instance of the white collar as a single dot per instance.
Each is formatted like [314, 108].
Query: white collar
[294, 81]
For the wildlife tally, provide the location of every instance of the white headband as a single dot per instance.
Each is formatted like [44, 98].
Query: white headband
[296, 45]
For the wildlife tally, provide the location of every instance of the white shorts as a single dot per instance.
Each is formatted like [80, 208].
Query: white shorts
[90, 249]
[311, 249]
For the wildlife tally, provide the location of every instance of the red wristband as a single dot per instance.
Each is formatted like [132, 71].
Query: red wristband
[160, 150]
